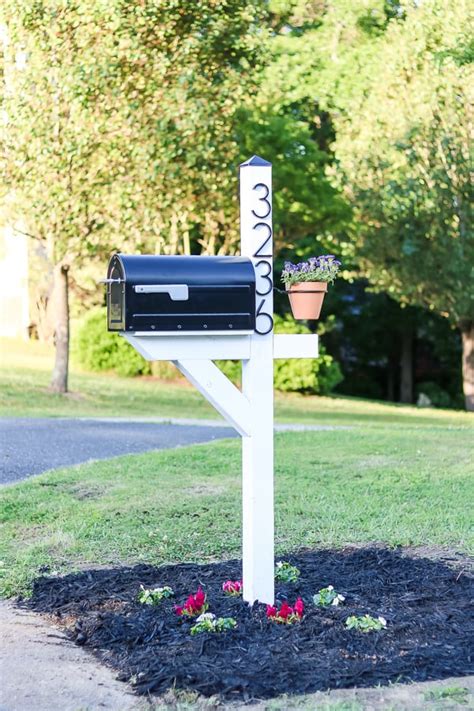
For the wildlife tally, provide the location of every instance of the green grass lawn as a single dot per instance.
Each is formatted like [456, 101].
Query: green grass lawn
[25, 371]
[398, 485]
[399, 475]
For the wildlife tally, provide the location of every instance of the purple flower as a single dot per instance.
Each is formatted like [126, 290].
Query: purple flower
[322, 268]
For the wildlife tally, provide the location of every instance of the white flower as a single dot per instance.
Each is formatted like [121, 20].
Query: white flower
[206, 616]
[382, 621]
[330, 587]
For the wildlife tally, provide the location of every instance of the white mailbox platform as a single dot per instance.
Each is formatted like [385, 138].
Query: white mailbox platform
[249, 410]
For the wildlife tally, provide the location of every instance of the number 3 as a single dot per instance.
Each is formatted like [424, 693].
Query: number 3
[263, 199]
[266, 277]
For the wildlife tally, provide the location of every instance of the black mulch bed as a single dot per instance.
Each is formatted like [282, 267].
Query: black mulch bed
[430, 631]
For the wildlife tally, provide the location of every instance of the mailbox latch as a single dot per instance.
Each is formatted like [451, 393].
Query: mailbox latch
[177, 292]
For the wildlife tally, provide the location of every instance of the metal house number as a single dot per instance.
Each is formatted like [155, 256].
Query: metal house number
[264, 266]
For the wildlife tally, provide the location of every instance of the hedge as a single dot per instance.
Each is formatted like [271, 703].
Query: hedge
[96, 349]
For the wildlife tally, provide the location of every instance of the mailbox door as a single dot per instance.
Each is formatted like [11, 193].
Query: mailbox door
[116, 299]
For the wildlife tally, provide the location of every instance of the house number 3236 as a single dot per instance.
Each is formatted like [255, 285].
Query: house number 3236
[264, 254]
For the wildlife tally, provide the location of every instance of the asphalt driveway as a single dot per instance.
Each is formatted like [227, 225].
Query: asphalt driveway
[33, 445]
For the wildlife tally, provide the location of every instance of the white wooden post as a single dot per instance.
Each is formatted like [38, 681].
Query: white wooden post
[249, 411]
[256, 237]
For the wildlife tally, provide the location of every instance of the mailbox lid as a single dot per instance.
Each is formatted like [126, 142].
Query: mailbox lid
[191, 270]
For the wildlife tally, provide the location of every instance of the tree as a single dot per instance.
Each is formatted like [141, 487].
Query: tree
[121, 128]
[393, 80]
[53, 175]
[403, 146]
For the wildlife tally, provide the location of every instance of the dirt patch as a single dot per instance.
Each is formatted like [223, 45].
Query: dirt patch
[43, 671]
[204, 490]
[429, 635]
[82, 492]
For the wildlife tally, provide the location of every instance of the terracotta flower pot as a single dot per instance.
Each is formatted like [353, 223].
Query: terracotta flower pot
[306, 298]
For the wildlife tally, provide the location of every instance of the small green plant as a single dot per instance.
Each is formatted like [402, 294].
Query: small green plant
[328, 596]
[366, 623]
[155, 595]
[208, 622]
[459, 694]
[286, 573]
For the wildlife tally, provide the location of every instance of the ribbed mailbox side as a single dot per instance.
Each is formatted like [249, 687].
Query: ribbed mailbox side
[181, 293]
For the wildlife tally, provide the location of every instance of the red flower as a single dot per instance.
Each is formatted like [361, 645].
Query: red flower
[286, 614]
[199, 598]
[194, 605]
[299, 607]
[189, 604]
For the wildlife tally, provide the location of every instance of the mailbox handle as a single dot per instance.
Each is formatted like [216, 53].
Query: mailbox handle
[177, 292]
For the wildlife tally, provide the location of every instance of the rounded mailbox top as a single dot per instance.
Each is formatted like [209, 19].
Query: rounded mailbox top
[164, 269]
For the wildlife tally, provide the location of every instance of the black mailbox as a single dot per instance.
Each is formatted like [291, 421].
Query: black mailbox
[180, 293]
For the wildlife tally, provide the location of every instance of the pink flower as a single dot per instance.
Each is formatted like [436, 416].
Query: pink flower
[232, 587]
[271, 611]
[285, 610]
[178, 609]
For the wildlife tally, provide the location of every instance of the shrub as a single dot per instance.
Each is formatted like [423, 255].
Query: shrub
[436, 395]
[307, 375]
[98, 349]
[231, 368]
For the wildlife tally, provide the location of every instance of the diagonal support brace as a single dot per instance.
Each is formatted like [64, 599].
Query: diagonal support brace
[219, 391]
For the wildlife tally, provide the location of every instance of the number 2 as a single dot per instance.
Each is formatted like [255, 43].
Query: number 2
[258, 253]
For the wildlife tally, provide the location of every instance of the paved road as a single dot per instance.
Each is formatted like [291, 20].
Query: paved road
[32, 445]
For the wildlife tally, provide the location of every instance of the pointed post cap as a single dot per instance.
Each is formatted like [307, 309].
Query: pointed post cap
[256, 161]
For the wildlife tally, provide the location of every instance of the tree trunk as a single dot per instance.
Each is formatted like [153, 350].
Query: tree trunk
[467, 331]
[59, 379]
[406, 367]
[392, 369]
